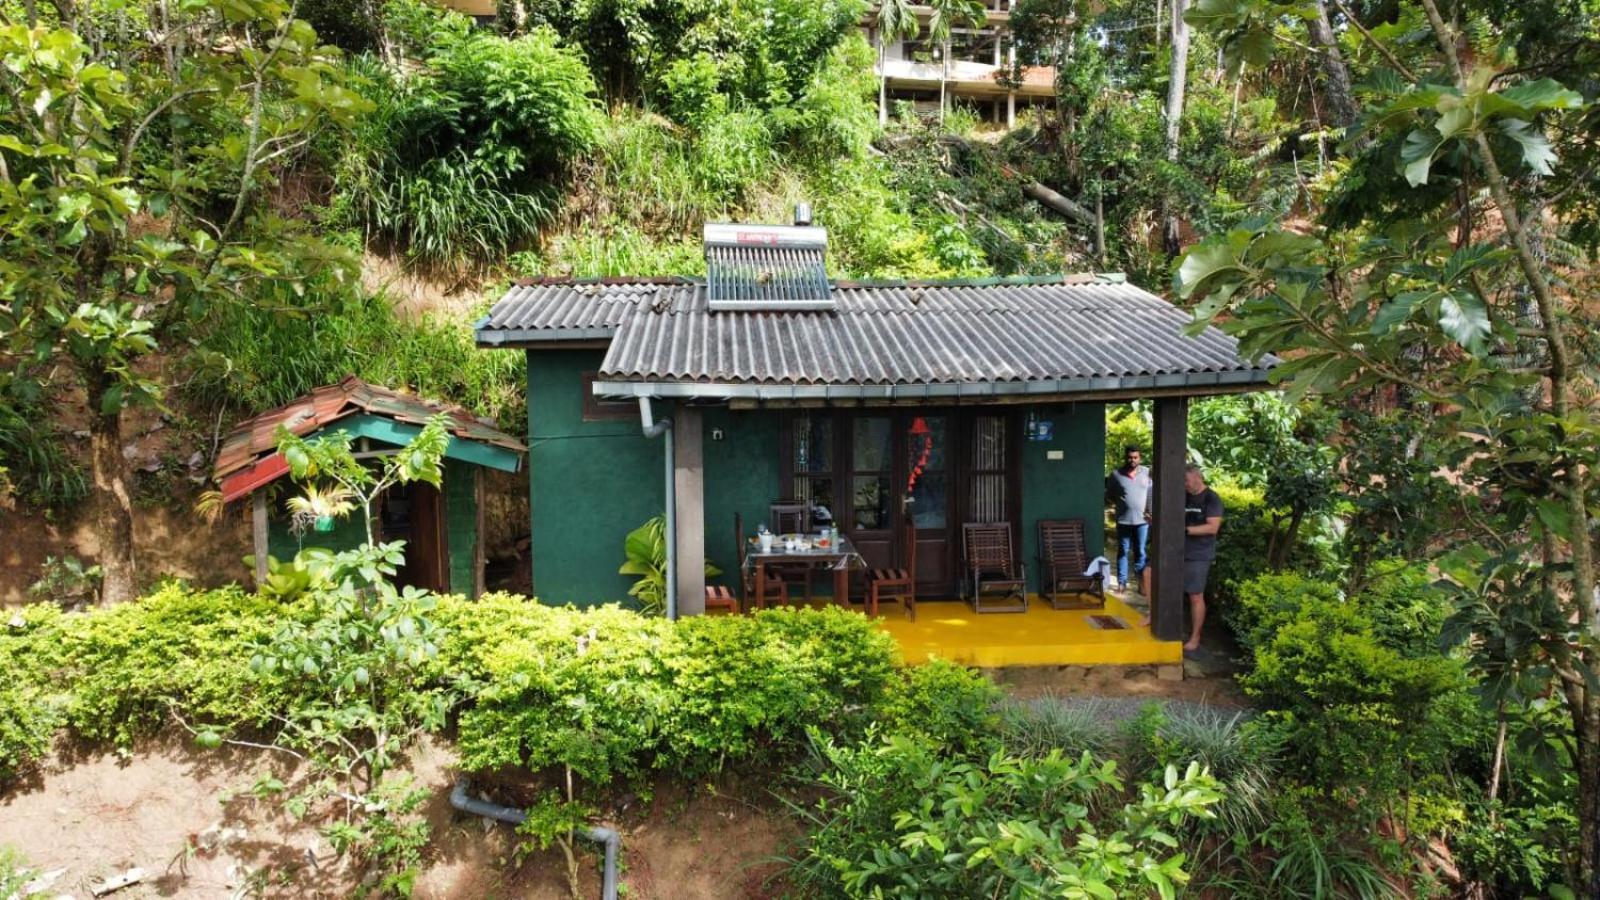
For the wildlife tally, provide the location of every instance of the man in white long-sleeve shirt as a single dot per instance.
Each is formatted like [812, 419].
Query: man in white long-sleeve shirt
[1128, 490]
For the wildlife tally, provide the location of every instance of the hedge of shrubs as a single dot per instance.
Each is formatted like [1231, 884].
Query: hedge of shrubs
[604, 691]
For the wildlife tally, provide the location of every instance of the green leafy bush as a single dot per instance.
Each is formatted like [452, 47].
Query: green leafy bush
[254, 358]
[33, 701]
[609, 693]
[943, 704]
[1359, 709]
[899, 819]
[1245, 542]
[459, 162]
[130, 666]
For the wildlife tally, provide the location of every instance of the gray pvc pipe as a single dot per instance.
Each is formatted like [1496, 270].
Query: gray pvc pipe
[663, 428]
[460, 799]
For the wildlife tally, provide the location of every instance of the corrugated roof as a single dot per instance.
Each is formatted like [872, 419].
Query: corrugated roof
[1075, 333]
[257, 436]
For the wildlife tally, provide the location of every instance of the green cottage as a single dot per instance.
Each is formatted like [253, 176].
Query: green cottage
[442, 527]
[768, 386]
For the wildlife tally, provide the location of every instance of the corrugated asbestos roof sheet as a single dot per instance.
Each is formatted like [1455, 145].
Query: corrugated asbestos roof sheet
[257, 436]
[1071, 329]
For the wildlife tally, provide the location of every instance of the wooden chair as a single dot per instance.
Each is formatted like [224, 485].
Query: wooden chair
[991, 567]
[777, 592]
[791, 517]
[902, 583]
[1063, 557]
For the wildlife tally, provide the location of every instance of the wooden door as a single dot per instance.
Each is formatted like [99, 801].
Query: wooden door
[931, 479]
[427, 564]
[874, 502]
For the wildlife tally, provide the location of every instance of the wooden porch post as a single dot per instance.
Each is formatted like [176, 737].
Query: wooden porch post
[1171, 455]
[258, 533]
[688, 479]
[479, 561]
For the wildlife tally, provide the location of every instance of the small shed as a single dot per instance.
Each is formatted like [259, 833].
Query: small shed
[442, 527]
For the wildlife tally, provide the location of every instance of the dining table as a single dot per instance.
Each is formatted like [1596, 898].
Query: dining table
[840, 556]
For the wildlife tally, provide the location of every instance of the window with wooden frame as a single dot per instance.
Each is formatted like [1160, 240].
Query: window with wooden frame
[811, 460]
[601, 409]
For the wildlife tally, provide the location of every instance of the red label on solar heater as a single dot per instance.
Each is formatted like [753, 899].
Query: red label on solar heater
[756, 237]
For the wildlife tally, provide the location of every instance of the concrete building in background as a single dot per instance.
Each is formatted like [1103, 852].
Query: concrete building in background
[969, 72]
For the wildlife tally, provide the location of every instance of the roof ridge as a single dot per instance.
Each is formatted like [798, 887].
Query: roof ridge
[555, 280]
[1065, 278]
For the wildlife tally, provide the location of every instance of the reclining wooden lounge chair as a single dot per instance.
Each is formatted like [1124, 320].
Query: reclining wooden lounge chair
[1062, 561]
[992, 571]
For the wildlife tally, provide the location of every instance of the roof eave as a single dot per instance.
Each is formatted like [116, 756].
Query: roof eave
[508, 338]
[1179, 384]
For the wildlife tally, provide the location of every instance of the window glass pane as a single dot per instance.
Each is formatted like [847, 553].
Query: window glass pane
[813, 444]
[988, 498]
[933, 443]
[989, 443]
[870, 444]
[814, 491]
[871, 502]
[930, 500]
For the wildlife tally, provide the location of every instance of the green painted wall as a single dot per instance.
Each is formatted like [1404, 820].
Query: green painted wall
[461, 525]
[590, 483]
[461, 522]
[1072, 487]
[593, 482]
[742, 472]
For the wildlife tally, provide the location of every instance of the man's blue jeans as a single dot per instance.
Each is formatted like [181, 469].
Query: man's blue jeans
[1131, 541]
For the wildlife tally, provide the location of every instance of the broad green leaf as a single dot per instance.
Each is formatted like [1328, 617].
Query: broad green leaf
[1464, 317]
[1537, 153]
[1211, 259]
[1417, 155]
[1392, 314]
[1544, 94]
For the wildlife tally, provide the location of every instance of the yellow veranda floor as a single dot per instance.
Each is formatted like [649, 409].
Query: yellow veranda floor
[1042, 636]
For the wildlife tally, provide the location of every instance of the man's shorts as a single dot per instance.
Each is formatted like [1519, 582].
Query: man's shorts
[1195, 572]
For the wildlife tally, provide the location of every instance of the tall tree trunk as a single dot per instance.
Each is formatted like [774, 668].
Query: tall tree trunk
[1341, 99]
[112, 503]
[1177, 82]
[1583, 704]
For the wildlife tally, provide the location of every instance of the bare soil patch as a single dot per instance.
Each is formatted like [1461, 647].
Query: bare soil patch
[186, 817]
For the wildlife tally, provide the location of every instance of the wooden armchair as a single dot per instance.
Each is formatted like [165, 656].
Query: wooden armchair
[902, 583]
[1063, 557]
[991, 568]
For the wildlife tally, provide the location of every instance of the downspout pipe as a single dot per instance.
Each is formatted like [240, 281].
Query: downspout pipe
[662, 427]
[461, 800]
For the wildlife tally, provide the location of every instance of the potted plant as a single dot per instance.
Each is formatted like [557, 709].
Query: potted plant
[318, 507]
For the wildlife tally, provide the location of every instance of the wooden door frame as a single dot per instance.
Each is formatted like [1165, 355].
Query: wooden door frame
[959, 468]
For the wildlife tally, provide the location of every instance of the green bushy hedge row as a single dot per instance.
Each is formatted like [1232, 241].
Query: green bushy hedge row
[605, 691]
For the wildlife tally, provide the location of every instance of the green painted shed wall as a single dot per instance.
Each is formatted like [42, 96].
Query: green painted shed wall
[461, 525]
[1072, 487]
[590, 483]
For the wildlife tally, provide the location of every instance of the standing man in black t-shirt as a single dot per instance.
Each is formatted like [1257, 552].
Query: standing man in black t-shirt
[1202, 519]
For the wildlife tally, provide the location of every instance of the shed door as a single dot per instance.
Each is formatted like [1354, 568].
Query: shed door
[415, 513]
